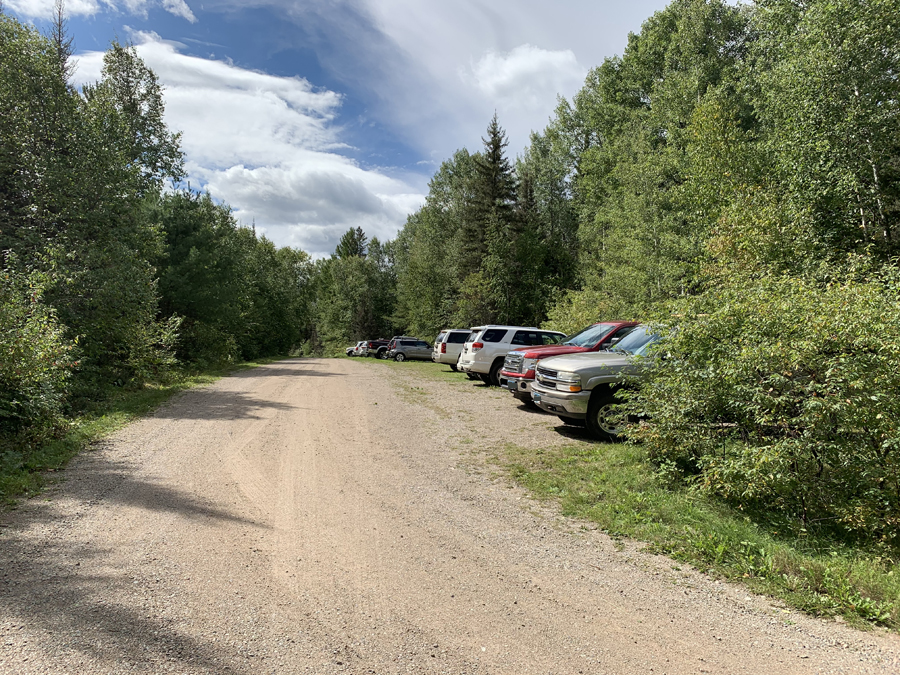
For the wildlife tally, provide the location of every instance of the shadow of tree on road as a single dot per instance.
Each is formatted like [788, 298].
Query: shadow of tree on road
[216, 403]
[75, 603]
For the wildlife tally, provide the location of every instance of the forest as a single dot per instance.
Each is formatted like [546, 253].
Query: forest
[732, 177]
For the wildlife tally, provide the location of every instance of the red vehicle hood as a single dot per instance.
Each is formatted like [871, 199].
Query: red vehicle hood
[550, 350]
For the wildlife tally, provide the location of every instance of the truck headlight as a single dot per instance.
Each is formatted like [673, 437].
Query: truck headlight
[570, 382]
[528, 364]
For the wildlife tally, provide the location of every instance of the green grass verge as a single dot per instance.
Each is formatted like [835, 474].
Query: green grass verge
[614, 486]
[429, 369]
[24, 471]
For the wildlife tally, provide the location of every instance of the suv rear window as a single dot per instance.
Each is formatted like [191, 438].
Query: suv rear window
[457, 338]
[493, 335]
[407, 343]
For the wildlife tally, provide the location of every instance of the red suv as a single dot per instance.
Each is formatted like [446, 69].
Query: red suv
[517, 373]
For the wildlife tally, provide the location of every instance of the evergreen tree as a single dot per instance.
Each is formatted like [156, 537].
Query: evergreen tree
[353, 242]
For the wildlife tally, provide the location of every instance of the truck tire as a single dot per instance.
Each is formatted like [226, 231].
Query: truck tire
[603, 422]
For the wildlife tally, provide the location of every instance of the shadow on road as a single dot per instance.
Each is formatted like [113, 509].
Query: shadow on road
[219, 404]
[75, 604]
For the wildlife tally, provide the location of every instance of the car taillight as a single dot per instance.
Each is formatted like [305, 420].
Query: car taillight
[443, 348]
[477, 345]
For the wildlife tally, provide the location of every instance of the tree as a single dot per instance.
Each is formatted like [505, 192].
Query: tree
[828, 97]
[353, 242]
[127, 105]
[62, 40]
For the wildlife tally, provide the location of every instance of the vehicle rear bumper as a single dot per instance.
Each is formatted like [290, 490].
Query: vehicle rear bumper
[472, 367]
[561, 403]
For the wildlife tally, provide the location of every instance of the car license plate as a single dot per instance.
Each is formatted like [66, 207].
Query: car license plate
[512, 385]
[535, 396]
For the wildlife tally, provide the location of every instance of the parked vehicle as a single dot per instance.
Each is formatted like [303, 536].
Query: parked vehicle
[518, 372]
[448, 346]
[410, 348]
[358, 349]
[486, 347]
[375, 345]
[581, 388]
[383, 351]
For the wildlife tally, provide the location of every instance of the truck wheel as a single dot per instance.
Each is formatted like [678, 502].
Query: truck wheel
[604, 422]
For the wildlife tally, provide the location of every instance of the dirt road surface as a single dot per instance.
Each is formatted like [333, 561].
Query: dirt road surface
[338, 516]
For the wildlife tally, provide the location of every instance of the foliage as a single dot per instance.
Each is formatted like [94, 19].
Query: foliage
[36, 360]
[780, 395]
[130, 273]
[238, 296]
[354, 296]
[640, 240]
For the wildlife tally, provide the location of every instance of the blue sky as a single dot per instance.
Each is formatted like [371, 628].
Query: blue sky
[312, 116]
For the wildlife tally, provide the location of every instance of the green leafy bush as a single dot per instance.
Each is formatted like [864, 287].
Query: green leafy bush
[782, 394]
[35, 358]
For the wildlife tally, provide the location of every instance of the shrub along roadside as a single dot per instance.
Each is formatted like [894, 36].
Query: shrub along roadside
[25, 469]
[617, 488]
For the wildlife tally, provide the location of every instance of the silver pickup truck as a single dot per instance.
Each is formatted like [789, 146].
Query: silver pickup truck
[580, 388]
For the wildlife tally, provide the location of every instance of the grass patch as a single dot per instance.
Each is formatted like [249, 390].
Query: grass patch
[26, 469]
[434, 371]
[614, 486]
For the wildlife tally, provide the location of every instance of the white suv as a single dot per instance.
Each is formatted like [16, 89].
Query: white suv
[486, 347]
[448, 345]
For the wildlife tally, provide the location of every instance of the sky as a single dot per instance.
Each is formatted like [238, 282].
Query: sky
[309, 117]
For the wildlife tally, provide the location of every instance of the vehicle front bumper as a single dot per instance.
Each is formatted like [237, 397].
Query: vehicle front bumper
[560, 402]
[519, 386]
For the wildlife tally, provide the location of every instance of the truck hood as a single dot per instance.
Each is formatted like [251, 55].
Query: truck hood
[586, 362]
[548, 350]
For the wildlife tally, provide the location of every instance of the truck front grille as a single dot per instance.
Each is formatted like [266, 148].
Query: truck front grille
[513, 363]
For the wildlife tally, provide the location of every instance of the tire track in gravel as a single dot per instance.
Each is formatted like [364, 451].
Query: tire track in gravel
[279, 521]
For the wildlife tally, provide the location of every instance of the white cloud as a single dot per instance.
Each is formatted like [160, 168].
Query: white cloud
[179, 8]
[44, 9]
[269, 147]
[526, 77]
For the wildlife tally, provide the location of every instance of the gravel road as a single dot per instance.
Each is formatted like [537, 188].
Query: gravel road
[339, 516]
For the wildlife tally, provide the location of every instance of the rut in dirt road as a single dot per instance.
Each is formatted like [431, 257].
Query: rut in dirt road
[336, 516]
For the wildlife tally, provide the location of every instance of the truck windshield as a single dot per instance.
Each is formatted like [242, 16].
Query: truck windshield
[636, 342]
[590, 335]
